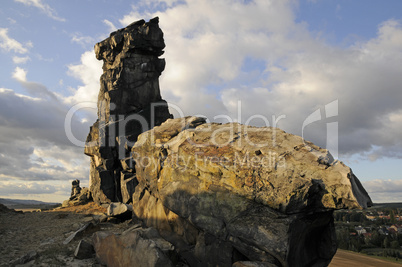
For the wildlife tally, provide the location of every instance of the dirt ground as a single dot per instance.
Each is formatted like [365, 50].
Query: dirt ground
[44, 233]
[345, 258]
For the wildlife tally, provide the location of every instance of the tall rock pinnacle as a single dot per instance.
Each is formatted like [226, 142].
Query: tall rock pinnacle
[129, 103]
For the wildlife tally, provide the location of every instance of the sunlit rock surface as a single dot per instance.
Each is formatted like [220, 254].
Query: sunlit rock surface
[258, 193]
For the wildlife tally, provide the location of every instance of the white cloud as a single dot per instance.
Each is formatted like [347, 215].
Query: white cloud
[12, 21]
[88, 72]
[20, 74]
[9, 44]
[50, 12]
[209, 49]
[21, 60]
[217, 55]
[27, 118]
[48, 191]
[82, 40]
[34, 149]
[388, 41]
[293, 72]
[7, 188]
[45, 59]
[34, 88]
[111, 26]
[383, 191]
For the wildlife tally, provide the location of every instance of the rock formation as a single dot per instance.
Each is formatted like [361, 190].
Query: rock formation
[210, 194]
[75, 189]
[129, 103]
[79, 196]
[239, 192]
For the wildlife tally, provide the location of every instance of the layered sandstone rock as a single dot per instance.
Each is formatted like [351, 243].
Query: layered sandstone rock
[235, 191]
[217, 194]
[129, 103]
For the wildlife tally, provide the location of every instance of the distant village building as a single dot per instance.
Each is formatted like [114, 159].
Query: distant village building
[371, 217]
[395, 229]
[367, 237]
[383, 231]
[360, 230]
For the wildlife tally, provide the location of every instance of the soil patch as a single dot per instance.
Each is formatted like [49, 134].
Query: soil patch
[43, 232]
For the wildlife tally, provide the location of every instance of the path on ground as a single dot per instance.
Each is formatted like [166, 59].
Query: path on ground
[345, 258]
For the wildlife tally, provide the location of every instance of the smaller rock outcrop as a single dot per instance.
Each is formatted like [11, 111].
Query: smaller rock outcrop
[75, 189]
[79, 196]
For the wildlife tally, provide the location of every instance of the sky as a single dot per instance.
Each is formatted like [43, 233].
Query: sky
[324, 69]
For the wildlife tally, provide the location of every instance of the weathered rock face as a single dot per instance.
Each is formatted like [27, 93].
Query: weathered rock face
[218, 194]
[136, 247]
[79, 196]
[75, 188]
[84, 250]
[252, 194]
[120, 210]
[129, 103]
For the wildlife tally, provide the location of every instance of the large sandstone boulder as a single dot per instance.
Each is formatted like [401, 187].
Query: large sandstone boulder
[258, 193]
[265, 165]
[129, 103]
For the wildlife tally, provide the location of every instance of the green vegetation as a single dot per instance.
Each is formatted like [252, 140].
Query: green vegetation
[376, 231]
